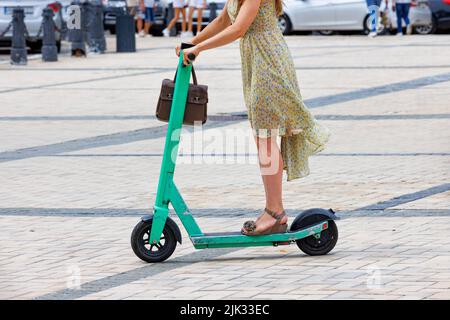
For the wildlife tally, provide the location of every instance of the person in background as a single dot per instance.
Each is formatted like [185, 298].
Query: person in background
[374, 10]
[147, 10]
[133, 7]
[178, 8]
[401, 7]
[198, 5]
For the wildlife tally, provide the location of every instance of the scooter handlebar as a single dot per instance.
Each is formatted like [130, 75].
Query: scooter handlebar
[191, 56]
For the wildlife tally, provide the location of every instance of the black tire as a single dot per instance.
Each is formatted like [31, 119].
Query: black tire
[58, 46]
[35, 46]
[326, 32]
[141, 247]
[366, 28]
[112, 30]
[284, 23]
[317, 247]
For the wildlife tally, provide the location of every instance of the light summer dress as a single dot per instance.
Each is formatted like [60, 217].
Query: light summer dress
[271, 92]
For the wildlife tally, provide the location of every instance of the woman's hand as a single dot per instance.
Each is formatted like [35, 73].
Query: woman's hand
[195, 50]
[177, 50]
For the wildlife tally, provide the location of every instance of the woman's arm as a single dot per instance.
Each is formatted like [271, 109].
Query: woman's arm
[246, 15]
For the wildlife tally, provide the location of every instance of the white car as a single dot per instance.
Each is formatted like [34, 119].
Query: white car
[327, 16]
[33, 20]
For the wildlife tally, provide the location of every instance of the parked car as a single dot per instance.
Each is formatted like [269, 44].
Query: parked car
[33, 19]
[440, 10]
[327, 16]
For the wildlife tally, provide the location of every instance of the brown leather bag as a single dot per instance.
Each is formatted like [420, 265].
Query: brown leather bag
[197, 100]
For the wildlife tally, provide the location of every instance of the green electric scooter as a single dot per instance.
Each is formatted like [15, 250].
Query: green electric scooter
[155, 237]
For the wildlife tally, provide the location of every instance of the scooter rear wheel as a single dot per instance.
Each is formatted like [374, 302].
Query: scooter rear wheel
[152, 252]
[320, 246]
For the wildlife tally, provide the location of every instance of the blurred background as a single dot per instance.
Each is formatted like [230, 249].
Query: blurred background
[314, 17]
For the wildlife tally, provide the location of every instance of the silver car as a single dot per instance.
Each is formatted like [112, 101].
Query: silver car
[33, 19]
[327, 16]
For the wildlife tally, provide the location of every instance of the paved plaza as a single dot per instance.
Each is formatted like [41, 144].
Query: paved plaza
[80, 151]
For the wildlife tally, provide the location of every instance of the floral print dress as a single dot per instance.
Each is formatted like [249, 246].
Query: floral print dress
[271, 92]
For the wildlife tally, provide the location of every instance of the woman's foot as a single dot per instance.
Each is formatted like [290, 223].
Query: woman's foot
[267, 223]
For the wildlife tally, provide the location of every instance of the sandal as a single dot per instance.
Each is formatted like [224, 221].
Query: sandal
[249, 228]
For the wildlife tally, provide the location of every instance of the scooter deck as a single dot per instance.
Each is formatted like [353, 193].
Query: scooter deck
[236, 239]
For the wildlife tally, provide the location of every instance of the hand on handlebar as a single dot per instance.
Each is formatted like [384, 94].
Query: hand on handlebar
[189, 55]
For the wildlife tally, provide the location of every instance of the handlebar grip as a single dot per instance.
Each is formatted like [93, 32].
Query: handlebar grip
[191, 56]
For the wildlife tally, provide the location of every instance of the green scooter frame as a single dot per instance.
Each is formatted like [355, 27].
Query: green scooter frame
[155, 237]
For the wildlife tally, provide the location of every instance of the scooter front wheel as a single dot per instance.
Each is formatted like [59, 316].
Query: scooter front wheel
[317, 246]
[152, 252]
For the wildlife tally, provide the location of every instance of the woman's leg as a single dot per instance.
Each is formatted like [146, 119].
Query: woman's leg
[139, 24]
[190, 18]
[199, 19]
[271, 166]
[398, 11]
[175, 18]
[406, 7]
[183, 21]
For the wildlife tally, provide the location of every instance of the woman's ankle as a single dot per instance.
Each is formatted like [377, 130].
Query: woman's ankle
[275, 208]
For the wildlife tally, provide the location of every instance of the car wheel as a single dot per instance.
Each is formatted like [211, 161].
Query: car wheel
[366, 25]
[326, 32]
[284, 23]
[427, 29]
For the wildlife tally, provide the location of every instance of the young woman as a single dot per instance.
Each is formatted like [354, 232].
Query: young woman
[272, 97]
[178, 8]
[147, 9]
[198, 5]
[401, 7]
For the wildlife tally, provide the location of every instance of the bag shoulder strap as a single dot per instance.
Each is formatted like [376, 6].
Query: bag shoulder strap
[194, 76]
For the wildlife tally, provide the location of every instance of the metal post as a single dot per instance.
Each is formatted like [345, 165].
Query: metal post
[125, 33]
[95, 30]
[18, 46]
[49, 50]
[77, 36]
[212, 11]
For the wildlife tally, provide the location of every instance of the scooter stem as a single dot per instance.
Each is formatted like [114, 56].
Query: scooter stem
[180, 93]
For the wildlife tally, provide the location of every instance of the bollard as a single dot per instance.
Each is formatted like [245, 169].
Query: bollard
[125, 33]
[95, 31]
[212, 11]
[77, 36]
[18, 41]
[49, 50]
[173, 31]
